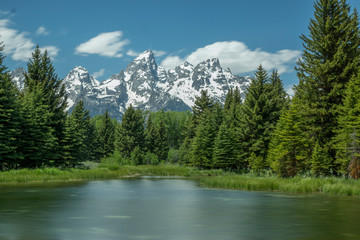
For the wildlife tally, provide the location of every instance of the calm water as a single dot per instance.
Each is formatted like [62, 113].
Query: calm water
[171, 209]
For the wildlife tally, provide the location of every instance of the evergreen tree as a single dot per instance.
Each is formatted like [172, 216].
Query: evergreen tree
[278, 96]
[77, 142]
[331, 56]
[225, 152]
[255, 125]
[150, 133]
[288, 150]
[106, 135]
[131, 132]
[202, 145]
[37, 142]
[348, 142]
[203, 104]
[161, 142]
[9, 118]
[41, 74]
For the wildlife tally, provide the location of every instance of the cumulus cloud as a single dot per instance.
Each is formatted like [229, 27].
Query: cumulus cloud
[18, 45]
[108, 44]
[132, 53]
[157, 53]
[42, 31]
[238, 57]
[290, 90]
[98, 74]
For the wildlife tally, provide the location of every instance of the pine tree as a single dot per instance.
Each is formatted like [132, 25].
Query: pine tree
[131, 132]
[161, 142]
[106, 135]
[347, 139]
[331, 56]
[77, 142]
[9, 118]
[255, 124]
[288, 150]
[37, 141]
[41, 74]
[150, 133]
[225, 152]
[203, 104]
[202, 145]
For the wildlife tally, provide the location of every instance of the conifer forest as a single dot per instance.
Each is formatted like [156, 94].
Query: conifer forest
[315, 132]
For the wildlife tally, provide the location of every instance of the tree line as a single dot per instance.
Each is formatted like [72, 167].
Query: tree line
[314, 132]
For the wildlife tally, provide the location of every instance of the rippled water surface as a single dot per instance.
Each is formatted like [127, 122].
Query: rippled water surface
[171, 209]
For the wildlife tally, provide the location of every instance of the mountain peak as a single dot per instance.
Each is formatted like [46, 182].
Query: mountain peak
[148, 55]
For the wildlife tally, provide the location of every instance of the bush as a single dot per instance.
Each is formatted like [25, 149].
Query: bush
[137, 156]
[150, 159]
[174, 155]
[114, 161]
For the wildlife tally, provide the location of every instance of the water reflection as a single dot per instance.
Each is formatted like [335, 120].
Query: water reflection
[171, 209]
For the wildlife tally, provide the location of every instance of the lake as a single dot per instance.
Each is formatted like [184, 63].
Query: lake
[156, 208]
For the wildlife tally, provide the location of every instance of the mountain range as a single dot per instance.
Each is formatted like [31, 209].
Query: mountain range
[147, 86]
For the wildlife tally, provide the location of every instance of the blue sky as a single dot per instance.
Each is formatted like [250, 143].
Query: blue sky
[104, 36]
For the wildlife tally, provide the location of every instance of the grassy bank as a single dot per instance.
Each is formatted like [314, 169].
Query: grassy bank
[206, 178]
[330, 185]
[100, 172]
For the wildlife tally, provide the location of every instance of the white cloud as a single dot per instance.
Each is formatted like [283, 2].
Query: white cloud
[157, 53]
[132, 53]
[98, 74]
[290, 90]
[51, 50]
[238, 57]
[18, 45]
[107, 44]
[42, 31]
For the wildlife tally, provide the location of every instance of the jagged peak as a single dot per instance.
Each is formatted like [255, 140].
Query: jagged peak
[147, 55]
[79, 69]
[19, 70]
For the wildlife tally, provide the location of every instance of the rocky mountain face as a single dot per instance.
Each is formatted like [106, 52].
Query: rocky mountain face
[147, 86]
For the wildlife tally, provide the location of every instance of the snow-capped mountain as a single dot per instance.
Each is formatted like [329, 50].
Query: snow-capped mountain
[147, 86]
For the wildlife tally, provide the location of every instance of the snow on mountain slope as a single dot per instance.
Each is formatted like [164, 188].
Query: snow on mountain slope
[147, 86]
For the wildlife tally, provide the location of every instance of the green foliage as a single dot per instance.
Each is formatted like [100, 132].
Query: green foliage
[260, 112]
[173, 155]
[161, 142]
[37, 136]
[288, 151]
[321, 162]
[347, 139]
[150, 158]
[130, 134]
[225, 152]
[106, 135]
[137, 156]
[41, 74]
[9, 119]
[330, 58]
[79, 134]
[201, 148]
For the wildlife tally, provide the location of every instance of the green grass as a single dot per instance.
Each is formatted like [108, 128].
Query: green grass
[330, 185]
[205, 178]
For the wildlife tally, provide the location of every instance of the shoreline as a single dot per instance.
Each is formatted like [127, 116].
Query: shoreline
[205, 178]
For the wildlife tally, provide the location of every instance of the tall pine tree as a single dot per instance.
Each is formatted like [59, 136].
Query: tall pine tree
[131, 132]
[41, 76]
[9, 118]
[331, 56]
[106, 135]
